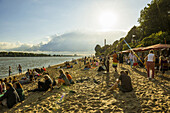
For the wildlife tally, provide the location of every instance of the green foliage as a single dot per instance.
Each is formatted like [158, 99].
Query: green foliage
[154, 17]
[156, 38]
[125, 47]
[153, 29]
[97, 48]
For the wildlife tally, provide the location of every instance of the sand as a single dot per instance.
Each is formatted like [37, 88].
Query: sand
[88, 96]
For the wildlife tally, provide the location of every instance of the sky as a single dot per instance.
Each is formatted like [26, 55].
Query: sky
[34, 21]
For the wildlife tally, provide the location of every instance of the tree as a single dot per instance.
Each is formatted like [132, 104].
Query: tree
[97, 48]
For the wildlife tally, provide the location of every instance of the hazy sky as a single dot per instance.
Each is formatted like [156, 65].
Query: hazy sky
[32, 21]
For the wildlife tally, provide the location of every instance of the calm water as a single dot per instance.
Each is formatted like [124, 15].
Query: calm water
[28, 63]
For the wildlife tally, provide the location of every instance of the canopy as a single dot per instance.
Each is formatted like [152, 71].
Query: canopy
[157, 46]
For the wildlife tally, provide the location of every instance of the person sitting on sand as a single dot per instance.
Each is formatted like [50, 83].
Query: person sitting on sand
[126, 85]
[20, 91]
[88, 66]
[10, 80]
[44, 86]
[54, 82]
[69, 66]
[62, 79]
[31, 76]
[27, 74]
[69, 78]
[3, 85]
[1, 88]
[5, 80]
[35, 74]
[10, 98]
[97, 63]
[14, 80]
[44, 69]
[101, 67]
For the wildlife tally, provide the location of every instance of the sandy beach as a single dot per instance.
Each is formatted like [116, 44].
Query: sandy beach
[90, 96]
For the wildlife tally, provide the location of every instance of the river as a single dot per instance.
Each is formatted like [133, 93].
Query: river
[28, 63]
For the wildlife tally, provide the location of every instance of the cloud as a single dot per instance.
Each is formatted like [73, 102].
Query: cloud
[80, 41]
[9, 45]
[13, 45]
[46, 40]
[70, 41]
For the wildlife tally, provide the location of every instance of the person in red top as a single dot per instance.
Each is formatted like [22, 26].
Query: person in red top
[44, 69]
[69, 78]
[115, 61]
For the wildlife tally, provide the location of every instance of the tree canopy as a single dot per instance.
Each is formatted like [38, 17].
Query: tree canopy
[154, 28]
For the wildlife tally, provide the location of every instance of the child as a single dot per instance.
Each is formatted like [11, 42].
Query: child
[69, 78]
[62, 79]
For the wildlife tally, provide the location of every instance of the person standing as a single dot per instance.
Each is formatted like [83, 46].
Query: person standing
[10, 71]
[120, 59]
[20, 69]
[115, 61]
[107, 63]
[135, 63]
[131, 58]
[150, 64]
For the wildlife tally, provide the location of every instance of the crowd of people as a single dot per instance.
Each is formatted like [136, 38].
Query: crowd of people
[11, 90]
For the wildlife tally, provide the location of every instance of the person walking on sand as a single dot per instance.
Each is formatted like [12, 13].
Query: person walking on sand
[115, 61]
[131, 58]
[135, 63]
[20, 69]
[150, 64]
[10, 71]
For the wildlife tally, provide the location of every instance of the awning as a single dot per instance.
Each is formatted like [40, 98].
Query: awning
[157, 46]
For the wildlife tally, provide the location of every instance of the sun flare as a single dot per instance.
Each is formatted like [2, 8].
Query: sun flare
[107, 20]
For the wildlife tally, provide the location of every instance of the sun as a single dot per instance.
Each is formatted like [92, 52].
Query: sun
[107, 20]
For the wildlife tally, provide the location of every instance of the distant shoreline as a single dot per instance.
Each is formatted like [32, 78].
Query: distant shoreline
[22, 54]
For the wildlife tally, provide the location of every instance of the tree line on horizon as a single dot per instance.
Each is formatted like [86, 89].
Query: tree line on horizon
[21, 54]
[154, 28]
